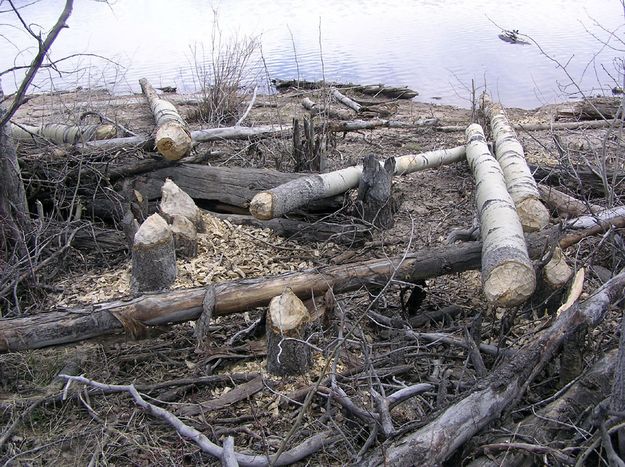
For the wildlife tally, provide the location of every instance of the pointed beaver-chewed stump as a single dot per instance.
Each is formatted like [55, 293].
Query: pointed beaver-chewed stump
[287, 330]
[153, 256]
[375, 192]
[174, 202]
[185, 237]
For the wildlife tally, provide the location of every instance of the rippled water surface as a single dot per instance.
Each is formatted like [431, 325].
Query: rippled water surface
[434, 47]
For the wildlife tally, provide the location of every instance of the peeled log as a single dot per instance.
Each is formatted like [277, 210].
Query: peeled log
[519, 180]
[507, 273]
[59, 133]
[153, 256]
[172, 140]
[299, 192]
[175, 202]
[346, 101]
[288, 319]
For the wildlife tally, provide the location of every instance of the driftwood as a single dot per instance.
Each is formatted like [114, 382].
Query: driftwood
[63, 327]
[314, 109]
[435, 442]
[394, 92]
[594, 108]
[542, 126]
[346, 101]
[356, 125]
[172, 138]
[508, 275]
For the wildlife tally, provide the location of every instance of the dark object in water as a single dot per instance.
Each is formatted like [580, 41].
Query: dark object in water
[167, 89]
[512, 37]
[377, 90]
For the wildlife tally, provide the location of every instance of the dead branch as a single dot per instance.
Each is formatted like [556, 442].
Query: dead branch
[438, 440]
[308, 447]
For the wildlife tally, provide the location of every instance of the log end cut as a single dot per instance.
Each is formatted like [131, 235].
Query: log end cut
[557, 272]
[533, 214]
[173, 141]
[510, 283]
[261, 206]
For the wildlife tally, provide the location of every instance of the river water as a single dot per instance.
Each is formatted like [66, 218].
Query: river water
[437, 47]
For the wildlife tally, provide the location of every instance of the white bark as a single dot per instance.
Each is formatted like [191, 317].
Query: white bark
[519, 180]
[59, 133]
[297, 193]
[346, 101]
[172, 140]
[599, 218]
[507, 272]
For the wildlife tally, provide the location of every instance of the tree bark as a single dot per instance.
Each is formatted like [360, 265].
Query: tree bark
[507, 273]
[375, 192]
[346, 101]
[435, 442]
[59, 133]
[229, 185]
[519, 180]
[564, 204]
[62, 327]
[172, 139]
[300, 192]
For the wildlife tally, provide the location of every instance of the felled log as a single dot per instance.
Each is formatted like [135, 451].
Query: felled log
[199, 136]
[59, 133]
[507, 273]
[350, 234]
[66, 326]
[234, 186]
[375, 192]
[541, 126]
[593, 108]
[580, 179]
[552, 423]
[519, 181]
[175, 202]
[356, 125]
[436, 441]
[346, 101]
[172, 138]
[565, 205]
[288, 328]
[314, 109]
[297, 193]
[153, 256]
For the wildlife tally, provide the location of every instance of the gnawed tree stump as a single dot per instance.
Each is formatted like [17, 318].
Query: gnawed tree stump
[507, 273]
[185, 237]
[288, 327]
[153, 256]
[175, 202]
[375, 192]
[307, 148]
[173, 139]
[557, 272]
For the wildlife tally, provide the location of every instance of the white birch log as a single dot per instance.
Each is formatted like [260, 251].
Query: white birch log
[299, 192]
[346, 101]
[507, 273]
[172, 140]
[519, 180]
[60, 133]
[599, 218]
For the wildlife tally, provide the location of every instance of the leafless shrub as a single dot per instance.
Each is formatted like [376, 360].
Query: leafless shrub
[223, 76]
